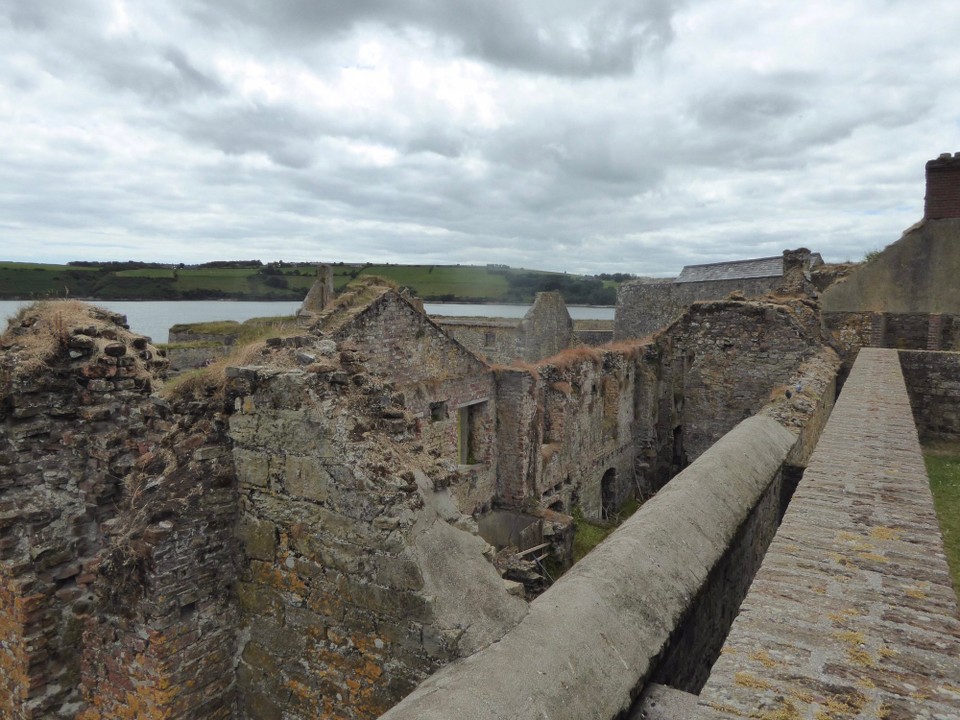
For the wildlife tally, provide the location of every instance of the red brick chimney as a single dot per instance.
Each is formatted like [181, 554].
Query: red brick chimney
[943, 187]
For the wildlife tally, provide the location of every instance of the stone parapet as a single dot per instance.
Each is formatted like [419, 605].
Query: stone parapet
[852, 613]
[590, 643]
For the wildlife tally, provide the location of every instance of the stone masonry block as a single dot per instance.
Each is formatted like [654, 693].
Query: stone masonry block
[259, 538]
[304, 477]
[252, 468]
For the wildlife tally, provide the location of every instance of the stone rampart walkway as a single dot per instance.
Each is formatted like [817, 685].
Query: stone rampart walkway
[852, 614]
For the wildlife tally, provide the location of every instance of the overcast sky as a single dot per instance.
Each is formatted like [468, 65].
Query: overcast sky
[588, 136]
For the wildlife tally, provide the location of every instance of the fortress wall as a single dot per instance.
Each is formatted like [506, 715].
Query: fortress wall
[735, 357]
[396, 341]
[643, 308]
[547, 328]
[698, 640]
[566, 432]
[933, 384]
[590, 643]
[59, 490]
[355, 582]
[495, 339]
[853, 612]
[164, 640]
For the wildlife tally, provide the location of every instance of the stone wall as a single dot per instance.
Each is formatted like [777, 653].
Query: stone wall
[592, 641]
[75, 416]
[190, 356]
[589, 427]
[933, 384]
[449, 391]
[497, 340]
[296, 540]
[566, 432]
[901, 331]
[358, 580]
[853, 613]
[593, 332]
[643, 307]
[164, 639]
[500, 341]
[735, 355]
[546, 329]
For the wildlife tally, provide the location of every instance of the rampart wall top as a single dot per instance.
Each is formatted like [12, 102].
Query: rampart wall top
[590, 641]
[852, 613]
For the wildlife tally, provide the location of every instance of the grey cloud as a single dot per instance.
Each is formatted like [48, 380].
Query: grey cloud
[282, 134]
[531, 36]
[190, 75]
[746, 109]
[33, 16]
[162, 77]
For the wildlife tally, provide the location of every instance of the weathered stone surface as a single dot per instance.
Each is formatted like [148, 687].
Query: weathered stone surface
[660, 702]
[852, 613]
[616, 608]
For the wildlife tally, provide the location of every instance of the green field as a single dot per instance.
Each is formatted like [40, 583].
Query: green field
[943, 468]
[288, 281]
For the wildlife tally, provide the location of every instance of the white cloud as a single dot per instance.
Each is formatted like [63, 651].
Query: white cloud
[567, 134]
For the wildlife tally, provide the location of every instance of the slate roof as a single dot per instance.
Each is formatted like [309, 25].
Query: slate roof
[735, 270]
[739, 269]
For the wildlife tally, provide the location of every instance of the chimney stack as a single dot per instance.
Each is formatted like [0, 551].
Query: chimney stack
[943, 188]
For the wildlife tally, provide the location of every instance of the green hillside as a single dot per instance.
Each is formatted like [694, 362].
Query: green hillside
[253, 280]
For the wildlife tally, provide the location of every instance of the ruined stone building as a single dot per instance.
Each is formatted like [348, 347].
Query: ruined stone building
[644, 306]
[545, 330]
[312, 527]
[300, 534]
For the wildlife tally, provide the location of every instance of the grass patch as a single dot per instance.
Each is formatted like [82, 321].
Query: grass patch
[248, 331]
[943, 469]
[192, 345]
[215, 327]
[588, 534]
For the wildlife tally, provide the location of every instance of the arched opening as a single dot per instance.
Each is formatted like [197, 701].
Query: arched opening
[608, 494]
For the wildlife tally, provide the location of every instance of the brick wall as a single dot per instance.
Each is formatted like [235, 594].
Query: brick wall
[70, 431]
[901, 331]
[943, 187]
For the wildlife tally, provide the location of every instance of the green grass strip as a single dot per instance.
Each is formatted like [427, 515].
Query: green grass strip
[943, 469]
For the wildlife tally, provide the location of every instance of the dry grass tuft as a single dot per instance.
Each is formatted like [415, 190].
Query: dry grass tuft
[40, 332]
[211, 381]
[566, 359]
[630, 349]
